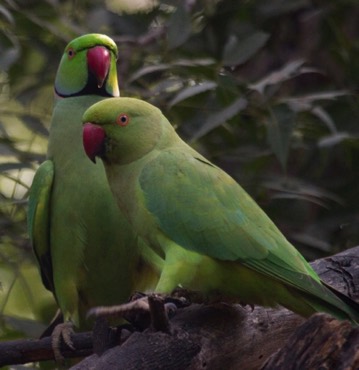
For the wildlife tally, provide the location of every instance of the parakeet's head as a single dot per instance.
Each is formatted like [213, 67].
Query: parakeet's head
[88, 67]
[122, 130]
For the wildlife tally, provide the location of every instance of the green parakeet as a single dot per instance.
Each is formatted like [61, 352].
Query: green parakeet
[86, 249]
[212, 235]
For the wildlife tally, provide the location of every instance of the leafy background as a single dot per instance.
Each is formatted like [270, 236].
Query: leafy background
[266, 90]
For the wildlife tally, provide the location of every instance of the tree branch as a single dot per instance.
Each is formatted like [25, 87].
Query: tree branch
[220, 336]
[29, 350]
[215, 337]
[320, 343]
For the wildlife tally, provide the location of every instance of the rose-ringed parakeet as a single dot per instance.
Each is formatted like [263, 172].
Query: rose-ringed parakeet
[86, 249]
[212, 235]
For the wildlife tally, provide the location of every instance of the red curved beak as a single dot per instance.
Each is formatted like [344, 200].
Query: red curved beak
[93, 137]
[98, 61]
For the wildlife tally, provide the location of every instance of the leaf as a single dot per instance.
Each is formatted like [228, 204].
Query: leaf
[10, 55]
[34, 124]
[300, 197]
[30, 328]
[168, 85]
[279, 7]
[312, 241]
[179, 27]
[8, 58]
[334, 139]
[6, 14]
[7, 149]
[203, 62]
[13, 166]
[325, 117]
[300, 187]
[279, 131]
[288, 71]
[238, 51]
[220, 117]
[178, 63]
[147, 70]
[306, 102]
[191, 91]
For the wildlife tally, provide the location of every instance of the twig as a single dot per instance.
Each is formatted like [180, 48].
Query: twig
[23, 351]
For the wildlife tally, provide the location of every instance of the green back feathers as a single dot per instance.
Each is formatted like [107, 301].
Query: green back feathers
[38, 217]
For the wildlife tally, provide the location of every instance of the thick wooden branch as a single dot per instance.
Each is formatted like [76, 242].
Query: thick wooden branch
[207, 337]
[320, 343]
[216, 337]
[31, 350]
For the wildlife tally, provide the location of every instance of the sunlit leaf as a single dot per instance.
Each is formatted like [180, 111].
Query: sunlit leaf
[306, 102]
[148, 70]
[163, 67]
[195, 62]
[6, 14]
[289, 70]
[169, 85]
[327, 95]
[334, 139]
[191, 91]
[30, 328]
[324, 117]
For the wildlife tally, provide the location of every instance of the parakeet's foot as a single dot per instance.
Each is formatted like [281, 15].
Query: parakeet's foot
[134, 306]
[152, 310]
[62, 331]
[187, 295]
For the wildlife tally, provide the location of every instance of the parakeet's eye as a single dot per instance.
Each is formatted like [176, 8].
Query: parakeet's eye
[71, 53]
[123, 119]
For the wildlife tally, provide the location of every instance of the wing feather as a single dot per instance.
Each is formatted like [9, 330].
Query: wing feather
[39, 220]
[203, 209]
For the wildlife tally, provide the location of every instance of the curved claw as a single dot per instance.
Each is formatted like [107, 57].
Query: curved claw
[170, 309]
[62, 331]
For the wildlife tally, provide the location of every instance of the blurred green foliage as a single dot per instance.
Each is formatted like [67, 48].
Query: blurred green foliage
[268, 90]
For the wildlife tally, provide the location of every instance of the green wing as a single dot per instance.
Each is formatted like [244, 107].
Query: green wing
[39, 220]
[203, 209]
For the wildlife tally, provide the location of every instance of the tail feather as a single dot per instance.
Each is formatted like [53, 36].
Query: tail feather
[324, 298]
[349, 308]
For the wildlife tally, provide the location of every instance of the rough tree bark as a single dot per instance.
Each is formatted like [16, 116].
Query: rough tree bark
[221, 336]
[320, 343]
